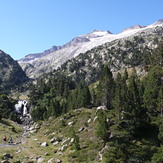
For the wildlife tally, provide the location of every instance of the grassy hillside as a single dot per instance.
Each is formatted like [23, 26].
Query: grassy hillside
[62, 131]
[74, 137]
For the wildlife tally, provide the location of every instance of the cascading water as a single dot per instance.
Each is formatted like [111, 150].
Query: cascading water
[21, 107]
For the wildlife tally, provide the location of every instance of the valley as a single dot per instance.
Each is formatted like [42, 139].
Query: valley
[97, 98]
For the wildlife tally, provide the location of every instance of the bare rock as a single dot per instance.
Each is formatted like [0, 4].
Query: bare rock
[57, 160]
[7, 156]
[89, 120]
[55, 143]
[5, 161]
[95, 118]
[70, 123]
[101, 108]
[63, 147]
[47, 154]
[44, 144]
[52, 160]
[81, 129]
[40, 160]
[65, 141]
[37, 126]
[53, 140]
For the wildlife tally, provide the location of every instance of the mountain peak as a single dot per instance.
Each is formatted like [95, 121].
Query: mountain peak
[160, 21]
[133, 28]
[96, 31]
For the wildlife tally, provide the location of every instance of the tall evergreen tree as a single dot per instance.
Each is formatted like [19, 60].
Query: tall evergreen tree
[117, 102]
[102, 128]
[106, 87]
[152, 84]
[160, 101]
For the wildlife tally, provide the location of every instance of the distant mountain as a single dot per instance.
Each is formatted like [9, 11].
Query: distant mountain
[32, 57]
[45, 62]
[133, 28]
[11, 74]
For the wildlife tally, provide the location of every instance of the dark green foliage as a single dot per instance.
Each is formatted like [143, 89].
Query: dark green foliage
[80, 97]
[106, 88]
[76, 144]
[57, 96]
[158, 156]
[102, 128]
[11, 74]
[120, 100]
[152, 84]
[160, 101]
[7, 108]
[133, 131]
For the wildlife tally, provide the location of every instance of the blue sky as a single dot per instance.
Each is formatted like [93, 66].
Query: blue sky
[32, 26]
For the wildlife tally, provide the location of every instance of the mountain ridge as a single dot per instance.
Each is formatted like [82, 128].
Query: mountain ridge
[79, 44]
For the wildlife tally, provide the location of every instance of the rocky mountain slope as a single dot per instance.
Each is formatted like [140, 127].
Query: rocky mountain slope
[35, 66]
[11, 74]
[130, 52]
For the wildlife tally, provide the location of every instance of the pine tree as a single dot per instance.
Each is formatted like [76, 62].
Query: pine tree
[80, 97]
[106, 88]
[152, 84]
[117, 102]
[102, 129]
[160, 101]
[134, 97]
[125, 75]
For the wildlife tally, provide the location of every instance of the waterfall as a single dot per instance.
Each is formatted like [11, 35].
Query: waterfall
[21, 107]
[25, 111]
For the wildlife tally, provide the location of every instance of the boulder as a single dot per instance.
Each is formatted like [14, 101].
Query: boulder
[57, 160]
[5, 161]
[64, 141]
[35, 139]
[38, 143]
[31, 128]
[53, 140]
[70, 123]
[63, 147]
[40, 160]
[37, 126]
[95, 118]
[53, 133]
[101, 108]
[72, 140]
[7, 156]
[55, 143]
[89, 120]
[44, 144]
[81, 129]
[50, 118]
[33, 131]
[51, 160]
[46, 154]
